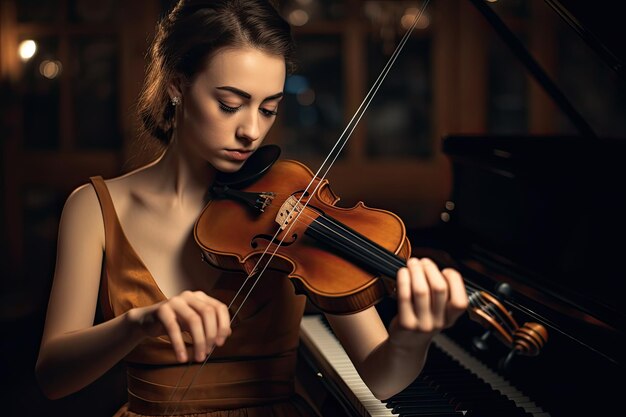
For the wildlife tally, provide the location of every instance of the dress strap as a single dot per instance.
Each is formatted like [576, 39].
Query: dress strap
[109, 216]
[113, 246]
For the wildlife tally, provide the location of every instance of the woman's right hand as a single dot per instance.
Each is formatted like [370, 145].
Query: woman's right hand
[206, 319]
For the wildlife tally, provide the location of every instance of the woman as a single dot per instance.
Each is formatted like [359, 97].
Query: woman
[212, 92]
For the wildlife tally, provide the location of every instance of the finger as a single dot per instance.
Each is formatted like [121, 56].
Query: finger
[192, 322]
[207, 313]
[222, 318]
[223, 324]
[458, 300]
[421, 294]
[167, 317]
[438, 292]
[406, 314]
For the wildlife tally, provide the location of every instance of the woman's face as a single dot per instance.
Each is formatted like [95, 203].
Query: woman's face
[230, 106]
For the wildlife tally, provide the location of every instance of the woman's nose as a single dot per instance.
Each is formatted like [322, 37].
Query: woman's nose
[249, 128]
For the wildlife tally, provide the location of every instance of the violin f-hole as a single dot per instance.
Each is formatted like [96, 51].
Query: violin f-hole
[255, 244]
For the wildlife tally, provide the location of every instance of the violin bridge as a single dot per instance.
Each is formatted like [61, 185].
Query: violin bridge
[288, 212]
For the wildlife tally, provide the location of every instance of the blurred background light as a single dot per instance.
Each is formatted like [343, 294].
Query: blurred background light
[27, 49]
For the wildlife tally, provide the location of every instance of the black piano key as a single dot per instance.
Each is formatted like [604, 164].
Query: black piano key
[440, 403]
[424, 409]
[470, 399]
[435, 414]
[463, 389]
[435, 397]
[497, 413]
[418, 394]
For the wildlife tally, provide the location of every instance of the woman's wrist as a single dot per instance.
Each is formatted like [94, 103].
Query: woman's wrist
[405, 340]
[135, 323]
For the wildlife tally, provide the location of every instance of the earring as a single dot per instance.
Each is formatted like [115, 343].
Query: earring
[175, 101]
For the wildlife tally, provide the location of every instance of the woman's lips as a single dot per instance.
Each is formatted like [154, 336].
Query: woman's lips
[238, 154]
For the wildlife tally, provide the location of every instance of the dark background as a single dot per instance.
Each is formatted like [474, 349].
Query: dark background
[455, 77]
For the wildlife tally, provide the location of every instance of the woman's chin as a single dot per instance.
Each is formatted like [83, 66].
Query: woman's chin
[227, 167]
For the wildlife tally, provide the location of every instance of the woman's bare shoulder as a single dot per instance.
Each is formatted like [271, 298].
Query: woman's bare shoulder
[82, 199]
[83, 202]
[81, 217]
[121, 188]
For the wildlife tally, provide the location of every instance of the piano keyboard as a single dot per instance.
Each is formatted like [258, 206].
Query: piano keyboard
[452, 383]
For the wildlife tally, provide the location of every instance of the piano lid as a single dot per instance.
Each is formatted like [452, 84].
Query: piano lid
[573, 49]
[600, 25]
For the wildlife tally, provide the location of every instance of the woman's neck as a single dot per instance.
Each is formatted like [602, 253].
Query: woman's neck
[183, 176]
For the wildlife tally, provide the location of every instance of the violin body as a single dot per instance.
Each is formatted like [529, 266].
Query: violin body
[331, 254]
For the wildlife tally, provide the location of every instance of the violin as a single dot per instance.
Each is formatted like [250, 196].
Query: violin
[276, 214]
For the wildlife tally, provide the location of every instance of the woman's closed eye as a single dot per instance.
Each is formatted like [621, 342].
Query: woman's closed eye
[268, 112]
[230, 109]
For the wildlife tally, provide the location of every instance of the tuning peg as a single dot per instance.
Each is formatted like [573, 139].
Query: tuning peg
[480, 342]
[504, 290]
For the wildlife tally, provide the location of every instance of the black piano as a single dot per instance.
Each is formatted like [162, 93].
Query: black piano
[540, 222]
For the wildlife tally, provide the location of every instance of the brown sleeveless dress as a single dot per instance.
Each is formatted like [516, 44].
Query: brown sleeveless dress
[251, 375]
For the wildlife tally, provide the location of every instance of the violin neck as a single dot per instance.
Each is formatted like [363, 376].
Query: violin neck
[359, 249]
[354, 246]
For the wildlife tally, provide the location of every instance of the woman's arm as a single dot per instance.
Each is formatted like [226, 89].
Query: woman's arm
[429, 300]
[73, 351]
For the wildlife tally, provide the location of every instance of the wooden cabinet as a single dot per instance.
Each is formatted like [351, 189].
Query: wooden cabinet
[66, 115]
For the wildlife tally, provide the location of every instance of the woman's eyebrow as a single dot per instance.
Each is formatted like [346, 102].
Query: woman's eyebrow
[236, 91]
[245, 95]
[273, 96]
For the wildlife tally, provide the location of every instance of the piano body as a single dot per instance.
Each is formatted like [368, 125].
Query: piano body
[543, 214]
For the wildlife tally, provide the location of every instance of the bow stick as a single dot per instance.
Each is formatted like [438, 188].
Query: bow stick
[336, 149]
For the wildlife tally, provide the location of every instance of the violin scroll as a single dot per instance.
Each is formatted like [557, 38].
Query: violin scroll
[487, 310]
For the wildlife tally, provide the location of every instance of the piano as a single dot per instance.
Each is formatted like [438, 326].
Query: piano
[539, 221]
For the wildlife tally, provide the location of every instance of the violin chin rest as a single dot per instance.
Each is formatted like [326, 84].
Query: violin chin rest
[254, 168]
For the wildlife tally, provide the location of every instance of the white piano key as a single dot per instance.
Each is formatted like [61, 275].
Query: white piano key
[330, 348]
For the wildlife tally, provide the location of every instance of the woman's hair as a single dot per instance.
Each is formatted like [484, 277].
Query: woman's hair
[188, 36]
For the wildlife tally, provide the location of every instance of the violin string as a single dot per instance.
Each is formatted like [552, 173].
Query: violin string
[485, 305]
[355, 242]
[350, 126]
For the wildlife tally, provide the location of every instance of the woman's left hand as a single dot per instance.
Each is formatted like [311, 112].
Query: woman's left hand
[429, 300]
